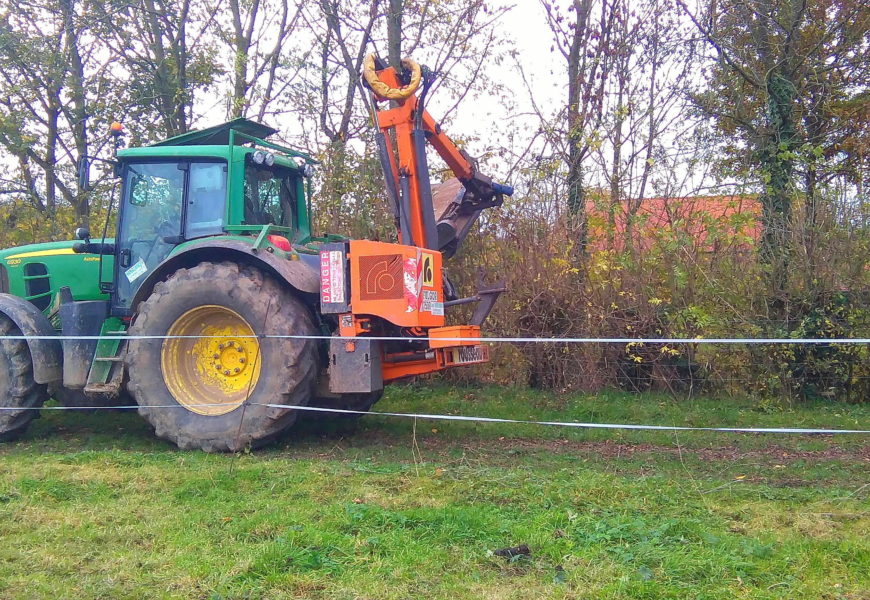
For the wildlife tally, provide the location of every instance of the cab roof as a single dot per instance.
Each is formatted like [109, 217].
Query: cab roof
[220, 134]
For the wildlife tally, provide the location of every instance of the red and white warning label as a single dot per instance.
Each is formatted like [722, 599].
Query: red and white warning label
[331, 277]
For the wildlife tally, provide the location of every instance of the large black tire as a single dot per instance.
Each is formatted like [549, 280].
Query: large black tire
[18, 390]
[288, 367]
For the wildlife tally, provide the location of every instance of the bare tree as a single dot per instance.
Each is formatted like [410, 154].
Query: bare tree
[646, 106]
[44, 103]
[456, 39]
[164, 48]
[624, 65]
[258, 36]
[582, 35]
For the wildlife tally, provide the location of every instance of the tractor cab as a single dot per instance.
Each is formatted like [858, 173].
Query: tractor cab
[224, 180]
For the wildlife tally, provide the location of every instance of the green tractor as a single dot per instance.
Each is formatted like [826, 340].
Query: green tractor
[203, 248]
[215, 310]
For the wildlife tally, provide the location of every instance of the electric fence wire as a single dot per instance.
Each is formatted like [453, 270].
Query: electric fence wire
[482, 419]
[479, 419]
[482, 340]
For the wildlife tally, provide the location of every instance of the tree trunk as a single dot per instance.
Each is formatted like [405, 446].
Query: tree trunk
[182, 101]
[79, 118]
[394, 34]
[576, 202]
[242, 38]
[778, 166]
[810, 225]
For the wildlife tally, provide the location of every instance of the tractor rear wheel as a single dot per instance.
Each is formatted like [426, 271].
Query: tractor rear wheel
[212, 392]
[18, 391]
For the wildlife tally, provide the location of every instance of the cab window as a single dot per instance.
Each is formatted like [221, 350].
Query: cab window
[150, 222]
[206, 199]
[270, 196]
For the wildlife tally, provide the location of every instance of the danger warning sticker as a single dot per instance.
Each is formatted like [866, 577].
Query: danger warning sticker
[331, 277]
[428, 269]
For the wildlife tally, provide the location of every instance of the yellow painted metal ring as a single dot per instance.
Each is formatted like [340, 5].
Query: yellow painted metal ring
[381, 89]
[211, 375]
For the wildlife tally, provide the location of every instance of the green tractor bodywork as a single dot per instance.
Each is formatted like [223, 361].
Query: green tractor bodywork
[222, 196]
[34, 272]
[193, 186]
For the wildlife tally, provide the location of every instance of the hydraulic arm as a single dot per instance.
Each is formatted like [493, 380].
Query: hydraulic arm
[439, 220]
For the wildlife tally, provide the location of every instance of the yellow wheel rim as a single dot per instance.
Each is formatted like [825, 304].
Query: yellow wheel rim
[219, 371]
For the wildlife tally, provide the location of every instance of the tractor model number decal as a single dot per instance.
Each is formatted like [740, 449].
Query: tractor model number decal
[331, 277]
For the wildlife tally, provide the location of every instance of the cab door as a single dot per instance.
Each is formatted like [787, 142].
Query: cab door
[150, 223]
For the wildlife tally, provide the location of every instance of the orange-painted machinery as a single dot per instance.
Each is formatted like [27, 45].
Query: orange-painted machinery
[399, 291]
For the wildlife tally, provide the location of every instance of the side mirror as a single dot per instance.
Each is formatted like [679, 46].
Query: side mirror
[83, 234]
[84, 167]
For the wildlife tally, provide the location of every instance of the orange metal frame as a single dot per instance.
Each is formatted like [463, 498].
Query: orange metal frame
[417, 275]
[401, 119]
[443, 352]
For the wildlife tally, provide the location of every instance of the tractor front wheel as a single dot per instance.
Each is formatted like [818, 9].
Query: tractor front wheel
[208, 384]
[19, 393]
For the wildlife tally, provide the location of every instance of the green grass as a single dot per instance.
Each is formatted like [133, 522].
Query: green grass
[92, 506]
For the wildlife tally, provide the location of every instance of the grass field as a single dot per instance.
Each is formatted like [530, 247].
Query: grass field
[92, 506]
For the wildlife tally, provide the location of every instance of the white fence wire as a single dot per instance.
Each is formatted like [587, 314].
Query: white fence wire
[480, 419]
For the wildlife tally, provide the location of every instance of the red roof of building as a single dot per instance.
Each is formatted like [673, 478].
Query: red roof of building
[709, 223]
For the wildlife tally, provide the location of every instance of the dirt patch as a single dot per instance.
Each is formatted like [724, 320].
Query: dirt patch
[605, 449]
[611, 449]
